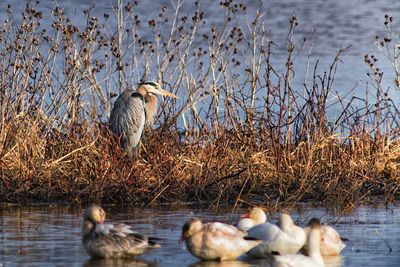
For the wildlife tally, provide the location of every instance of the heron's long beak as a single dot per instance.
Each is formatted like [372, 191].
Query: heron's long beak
[162, 92]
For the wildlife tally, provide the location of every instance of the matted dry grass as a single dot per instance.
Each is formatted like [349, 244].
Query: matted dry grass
[82, 167]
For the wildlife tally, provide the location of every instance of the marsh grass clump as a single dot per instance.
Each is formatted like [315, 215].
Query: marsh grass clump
[241, 133]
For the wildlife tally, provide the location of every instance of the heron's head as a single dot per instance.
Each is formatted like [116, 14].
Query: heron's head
[150, 87]
[151, 84]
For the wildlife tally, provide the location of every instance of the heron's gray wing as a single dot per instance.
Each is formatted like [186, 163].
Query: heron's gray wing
[127, 119]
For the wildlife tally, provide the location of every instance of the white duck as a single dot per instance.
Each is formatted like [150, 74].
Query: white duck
[313, 242]
[215, 241]
[331, 243]
[283, 238]
[252, 218]
[111, 241]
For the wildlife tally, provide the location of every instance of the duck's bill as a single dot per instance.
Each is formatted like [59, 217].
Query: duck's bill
[162, 92]
[246, 215]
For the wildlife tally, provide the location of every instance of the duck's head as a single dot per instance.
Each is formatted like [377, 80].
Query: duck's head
[190, 228]
[256, 214]
[94, 214]
[314, 223]
[284, 220]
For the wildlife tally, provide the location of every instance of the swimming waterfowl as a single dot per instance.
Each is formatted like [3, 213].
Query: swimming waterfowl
[313, 242]
[111, 241]
[283, 238]
[331, 242]
[215, 241]
[252, 218]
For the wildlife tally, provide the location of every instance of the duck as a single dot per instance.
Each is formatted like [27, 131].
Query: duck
[331, 242]
[252, 218]
[215, 240]
[112, 241]
[283, 238]
[313, 243]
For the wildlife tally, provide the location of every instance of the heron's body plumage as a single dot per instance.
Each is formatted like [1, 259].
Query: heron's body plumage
[132, 111]
[128, 119]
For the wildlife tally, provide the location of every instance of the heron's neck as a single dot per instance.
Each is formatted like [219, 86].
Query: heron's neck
[151, 107]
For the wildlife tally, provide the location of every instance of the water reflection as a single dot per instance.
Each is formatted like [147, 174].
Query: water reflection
[118, 262]
[330, 261]
[220, 264]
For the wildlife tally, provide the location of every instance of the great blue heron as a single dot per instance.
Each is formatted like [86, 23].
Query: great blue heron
[132, 111]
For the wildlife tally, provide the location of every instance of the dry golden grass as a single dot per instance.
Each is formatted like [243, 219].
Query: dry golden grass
[82, 166]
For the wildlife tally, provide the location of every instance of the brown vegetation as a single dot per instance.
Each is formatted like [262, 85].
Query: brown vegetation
[241, 132]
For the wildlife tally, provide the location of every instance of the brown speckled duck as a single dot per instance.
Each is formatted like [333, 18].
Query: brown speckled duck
[111, 241]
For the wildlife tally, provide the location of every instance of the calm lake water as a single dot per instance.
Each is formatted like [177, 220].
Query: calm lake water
[43, 235]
